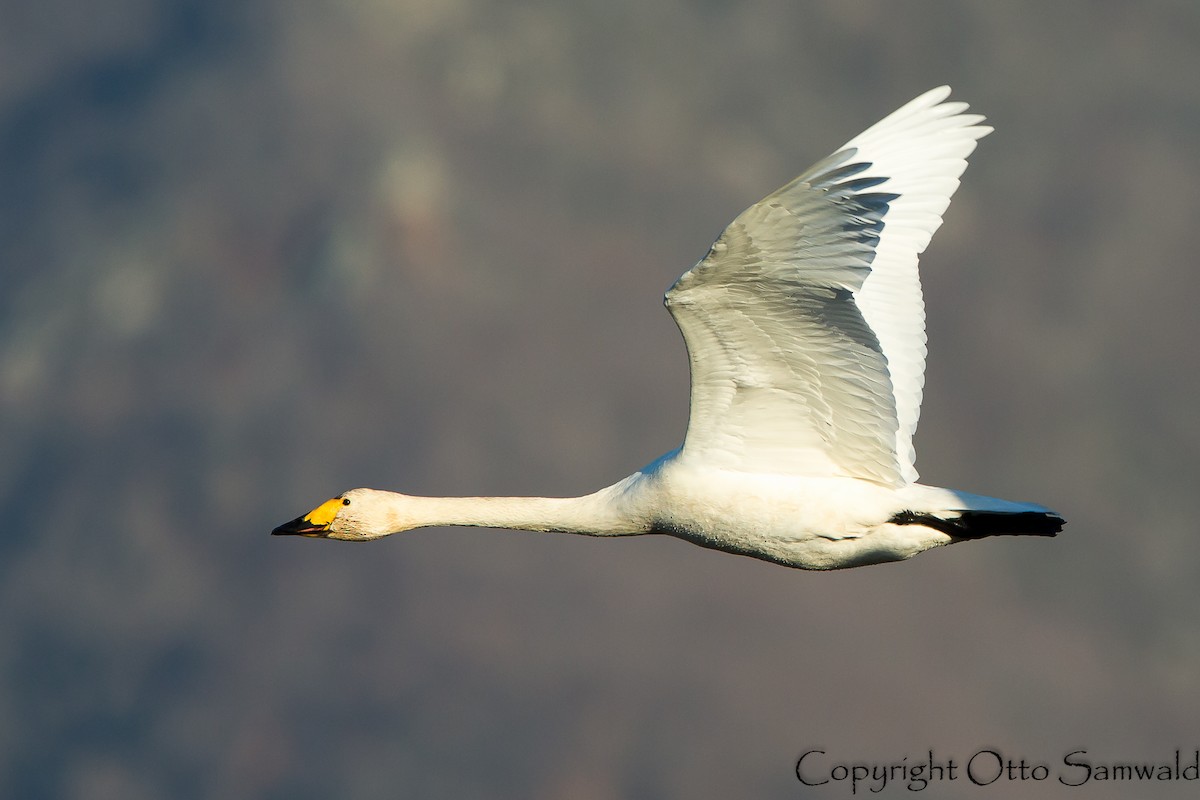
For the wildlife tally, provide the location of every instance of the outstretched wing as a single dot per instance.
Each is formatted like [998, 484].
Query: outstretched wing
[804, 323]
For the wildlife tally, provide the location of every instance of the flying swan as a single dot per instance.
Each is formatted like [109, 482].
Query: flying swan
[805, 329]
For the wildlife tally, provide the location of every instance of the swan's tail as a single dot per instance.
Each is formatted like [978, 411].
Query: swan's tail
[974, 524]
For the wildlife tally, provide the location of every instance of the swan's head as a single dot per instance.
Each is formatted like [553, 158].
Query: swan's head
[357, 516]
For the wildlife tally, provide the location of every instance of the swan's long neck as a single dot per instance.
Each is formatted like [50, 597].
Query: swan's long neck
[599, 514]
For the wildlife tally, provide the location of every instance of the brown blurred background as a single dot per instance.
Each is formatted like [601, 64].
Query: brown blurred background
[256, 253]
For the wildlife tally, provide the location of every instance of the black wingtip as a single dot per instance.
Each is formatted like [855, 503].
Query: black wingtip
[981, 524]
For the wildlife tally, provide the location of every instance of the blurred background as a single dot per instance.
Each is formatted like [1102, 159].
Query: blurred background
[256, 253]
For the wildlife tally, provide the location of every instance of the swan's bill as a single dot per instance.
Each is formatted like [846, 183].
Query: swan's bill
[314, 524]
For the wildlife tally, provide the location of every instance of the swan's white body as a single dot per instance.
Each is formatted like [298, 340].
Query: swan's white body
[806, 333]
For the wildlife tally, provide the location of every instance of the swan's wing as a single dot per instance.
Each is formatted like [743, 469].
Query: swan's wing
[804, 323]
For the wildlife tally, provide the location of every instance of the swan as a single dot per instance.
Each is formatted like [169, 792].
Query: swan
[805, 329]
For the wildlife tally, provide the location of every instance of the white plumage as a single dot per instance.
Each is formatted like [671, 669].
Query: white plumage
[805, 329]
[805, 322]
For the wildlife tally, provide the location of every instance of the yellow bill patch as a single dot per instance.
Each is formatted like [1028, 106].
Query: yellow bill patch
[323, 514]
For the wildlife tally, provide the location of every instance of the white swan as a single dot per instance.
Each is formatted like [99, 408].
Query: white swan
[805, 328]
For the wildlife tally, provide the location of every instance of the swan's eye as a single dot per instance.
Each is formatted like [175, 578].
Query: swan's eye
[345, 501]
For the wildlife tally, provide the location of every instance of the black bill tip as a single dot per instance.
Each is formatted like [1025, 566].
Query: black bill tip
[301, 526]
